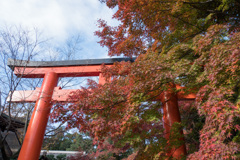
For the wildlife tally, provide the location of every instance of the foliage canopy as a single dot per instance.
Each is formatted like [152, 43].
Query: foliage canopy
[194, 43]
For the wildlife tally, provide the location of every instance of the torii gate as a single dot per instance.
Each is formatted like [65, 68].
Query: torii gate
[48, 92]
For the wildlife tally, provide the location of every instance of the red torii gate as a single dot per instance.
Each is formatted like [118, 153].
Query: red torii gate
[48, 92]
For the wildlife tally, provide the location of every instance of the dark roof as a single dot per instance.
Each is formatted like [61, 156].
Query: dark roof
[4, 120]
[84, 62]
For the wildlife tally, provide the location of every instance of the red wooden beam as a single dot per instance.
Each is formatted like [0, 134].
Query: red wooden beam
[181, 95]
[62, 95]
[23, 96]
[69, 71]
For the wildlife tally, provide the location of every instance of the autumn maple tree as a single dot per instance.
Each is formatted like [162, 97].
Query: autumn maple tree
[193, 43]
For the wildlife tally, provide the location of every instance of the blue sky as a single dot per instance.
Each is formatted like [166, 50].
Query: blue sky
[60, 19]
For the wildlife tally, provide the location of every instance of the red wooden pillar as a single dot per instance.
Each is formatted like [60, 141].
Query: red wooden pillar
[170, 116]
[32, 144]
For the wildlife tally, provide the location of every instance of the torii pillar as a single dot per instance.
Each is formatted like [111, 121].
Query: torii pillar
[51, 71]
[171, 115]
[35, 133]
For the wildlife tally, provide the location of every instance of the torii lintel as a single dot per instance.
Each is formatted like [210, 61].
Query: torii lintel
[70, 68]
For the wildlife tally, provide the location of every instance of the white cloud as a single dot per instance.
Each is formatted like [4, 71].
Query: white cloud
[59, 19]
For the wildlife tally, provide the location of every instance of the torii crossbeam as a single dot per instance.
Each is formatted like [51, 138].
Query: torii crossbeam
[49, 91]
